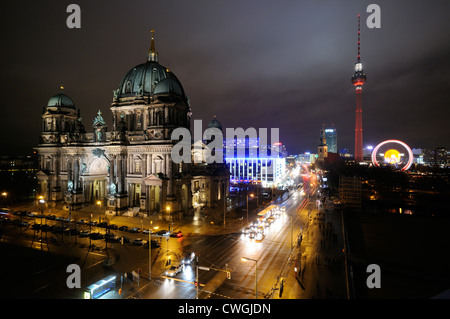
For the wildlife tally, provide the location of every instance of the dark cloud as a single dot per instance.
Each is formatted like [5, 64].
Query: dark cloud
[283, 64]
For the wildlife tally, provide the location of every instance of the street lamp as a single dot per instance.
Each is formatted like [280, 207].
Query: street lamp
[150, 252]
[168, 212]
[42, 202]
[256, 273]
[251, 195]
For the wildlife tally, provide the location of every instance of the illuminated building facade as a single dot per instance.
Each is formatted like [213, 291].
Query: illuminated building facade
[331, 139]
[247, 165]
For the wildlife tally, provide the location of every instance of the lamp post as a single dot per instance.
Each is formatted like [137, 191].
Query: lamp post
[150, 251]
[170, 214]
[99, 203]
[256, 274]
[251, 195]
[42, 202]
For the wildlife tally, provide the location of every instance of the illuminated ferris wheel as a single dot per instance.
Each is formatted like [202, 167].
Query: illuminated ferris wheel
[393, 153]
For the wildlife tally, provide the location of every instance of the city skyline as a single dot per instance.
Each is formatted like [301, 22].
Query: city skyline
[292, 72]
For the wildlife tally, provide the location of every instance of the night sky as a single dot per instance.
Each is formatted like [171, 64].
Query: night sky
[283, 63]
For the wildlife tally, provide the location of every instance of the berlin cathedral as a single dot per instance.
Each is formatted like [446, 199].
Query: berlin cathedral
[128, 169]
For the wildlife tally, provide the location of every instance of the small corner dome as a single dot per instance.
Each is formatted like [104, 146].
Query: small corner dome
[61, 100]
[215, 124]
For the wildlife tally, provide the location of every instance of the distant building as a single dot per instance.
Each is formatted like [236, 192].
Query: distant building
[350, 192]
[322, 150]
[306, 158]
[331, 139]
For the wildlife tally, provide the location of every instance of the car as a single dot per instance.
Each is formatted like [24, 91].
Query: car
[188, 258]
[138, 242]
[146, 231]
[246, 230]
[93, 223]
[123, 228]
[113, 226]
[85, 233]
[68, 220]
[155, 244]
[96, 236]
[102, 224]
[82, 222]
[259, 236]
[36, 227]
[59, 218]
[252, 234]
[134, 230]
[45, 228]
[74, 231]
[124, 239]
[179, 234]
[50, 217]
[60, 230]
[162, 232]
[112, 238]
[174, 270]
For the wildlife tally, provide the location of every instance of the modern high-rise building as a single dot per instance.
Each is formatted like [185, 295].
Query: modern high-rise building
[331, 139]
[358, 80]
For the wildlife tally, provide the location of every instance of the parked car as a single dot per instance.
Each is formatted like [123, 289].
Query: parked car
[45, 228]
[74, 231]
[146, 231]
[162, 232]
[50, 217]
[113, 226]
[124, 239]
[84, 233]
[174, 270]
[123, 228]
[138, 242]
[102, 224]
[134, 230]
[96, 236]
[112, 238]
[82, 222]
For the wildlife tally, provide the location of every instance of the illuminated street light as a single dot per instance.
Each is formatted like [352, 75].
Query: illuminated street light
[256, 273]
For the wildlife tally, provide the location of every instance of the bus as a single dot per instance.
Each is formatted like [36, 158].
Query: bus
[100, 288]
[267, 212]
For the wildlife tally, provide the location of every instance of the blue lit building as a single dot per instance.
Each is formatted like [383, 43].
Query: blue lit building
[250, 162]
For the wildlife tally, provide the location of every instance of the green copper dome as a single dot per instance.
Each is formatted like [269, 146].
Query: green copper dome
[61, 100]
[149, 78]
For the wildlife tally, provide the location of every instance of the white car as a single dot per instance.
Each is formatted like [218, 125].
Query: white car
[259, 236]
[174, 270]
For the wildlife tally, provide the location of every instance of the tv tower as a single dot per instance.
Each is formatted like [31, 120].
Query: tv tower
[358, 80]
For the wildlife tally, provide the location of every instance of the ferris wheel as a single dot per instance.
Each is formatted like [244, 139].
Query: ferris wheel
[394, 153]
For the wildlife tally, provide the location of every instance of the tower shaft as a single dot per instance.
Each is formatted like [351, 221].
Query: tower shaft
[358, 128]
[358, 80]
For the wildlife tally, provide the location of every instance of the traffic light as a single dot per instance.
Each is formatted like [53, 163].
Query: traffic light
[228, 275]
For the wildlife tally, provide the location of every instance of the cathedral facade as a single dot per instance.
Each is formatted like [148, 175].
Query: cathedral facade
[129, 168]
